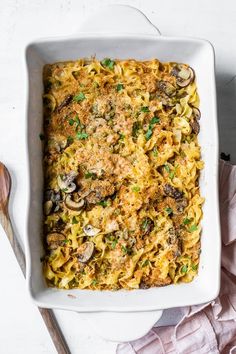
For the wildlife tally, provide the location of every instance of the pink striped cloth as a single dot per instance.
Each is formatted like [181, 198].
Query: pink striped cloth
[210, 327]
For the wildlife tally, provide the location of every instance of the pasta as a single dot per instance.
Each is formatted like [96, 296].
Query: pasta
[122, 206]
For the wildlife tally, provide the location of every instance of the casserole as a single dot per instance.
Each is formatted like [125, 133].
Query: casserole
[198, 54]
[121, 203]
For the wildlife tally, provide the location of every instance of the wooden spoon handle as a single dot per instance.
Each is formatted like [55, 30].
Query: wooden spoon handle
[16, 247]
[47, 315]
[54, 331]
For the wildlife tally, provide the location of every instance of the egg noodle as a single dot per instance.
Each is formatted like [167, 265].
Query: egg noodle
[121, 163]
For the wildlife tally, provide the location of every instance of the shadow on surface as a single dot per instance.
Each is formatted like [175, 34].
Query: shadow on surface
[226, 99]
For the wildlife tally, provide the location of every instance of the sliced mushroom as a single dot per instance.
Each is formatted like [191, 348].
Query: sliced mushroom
[167, 88]
[62, 144]
[181, 205]
[65, 182]
[48, 207]
[49, 103]
[195, 126]
[174, 71]
[57, 207]
[165, 100]
[184, 75]
[172, 192]
[89, 230]
[174, 241]
[52, 195]
[53, 200]
[85, 252]
[73, 205]
[196, 113]
[65, 102]
[59, 225]
[55, 239]
[56, 144]
[172, 236]
[144, 285]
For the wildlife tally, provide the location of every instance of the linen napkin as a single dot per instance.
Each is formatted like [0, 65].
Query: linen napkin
[211, 327]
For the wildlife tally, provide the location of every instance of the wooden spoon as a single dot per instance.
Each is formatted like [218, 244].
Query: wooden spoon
[47, 315]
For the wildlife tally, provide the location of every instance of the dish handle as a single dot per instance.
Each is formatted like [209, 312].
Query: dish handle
[121, 326]
[118, 19]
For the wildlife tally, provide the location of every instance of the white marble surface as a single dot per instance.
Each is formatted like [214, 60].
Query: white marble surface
[21, 328]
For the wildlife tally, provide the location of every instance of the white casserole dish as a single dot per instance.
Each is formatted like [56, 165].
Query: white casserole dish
[140, 40]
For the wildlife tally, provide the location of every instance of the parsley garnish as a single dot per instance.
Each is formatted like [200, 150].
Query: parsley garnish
[74, 220]
[76, 120]
[119, 87]
[145, 263]
[148, 134]
[126, 250]
[167, 168]
[81, 135]
[122, 136]
[90, 175]
[169, 210]
[103, 203]
[186, 221]
[145, 109]
[155, 151]
[65, 241]
[194, 266]
[114, 243]
[146, 223]
[153, 121]
[135, 188]
[135, 128]
[108, 63]
[184, 269]
[70, 140]
[94, 282]
[80, 97]
[193, 228]
[64, 189]
[172, 174]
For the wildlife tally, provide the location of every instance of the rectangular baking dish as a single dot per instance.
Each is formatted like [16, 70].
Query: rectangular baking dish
[143, 43]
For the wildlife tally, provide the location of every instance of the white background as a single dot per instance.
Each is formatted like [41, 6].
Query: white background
[21, 328]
